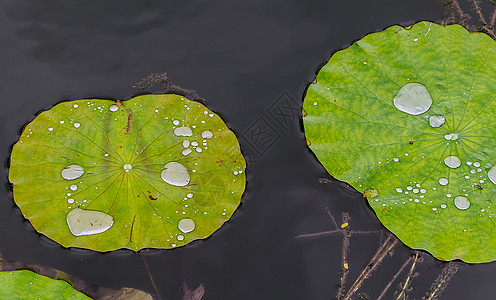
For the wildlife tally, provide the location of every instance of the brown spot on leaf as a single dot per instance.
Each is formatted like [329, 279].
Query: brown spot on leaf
[151, 197]
[128, 125]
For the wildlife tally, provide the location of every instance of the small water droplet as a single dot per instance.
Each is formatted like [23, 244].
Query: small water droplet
[75, 106]
[190, 195]
[443, 206]
[70, 200]
[451, 136]
[175, 173]
[183, 131]
[198, 149]
[434, 209]
[415, 191]
[88, 222]
[77, 125]
[413, 98]
[399, 190]
[73, 187]
[396, 159]
[175, 122]
[476, 164]
[186, 151]
[50, 128]
[114, 107]
[436, 120]
[186, 225]
[461, 202]
[423, 191]
[409, 188]
[186, 143]
[106, 155]
[180, 237]
[72, 172]
[452, 161]
[207, 134]
[127, 167]
[443, 181]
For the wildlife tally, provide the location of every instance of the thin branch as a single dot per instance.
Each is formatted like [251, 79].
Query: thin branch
[493, 19]
[444, 278]
[395, 277]
[479, 12]
[372, 265]
[344, 255]
[150, 276]
[409, 278]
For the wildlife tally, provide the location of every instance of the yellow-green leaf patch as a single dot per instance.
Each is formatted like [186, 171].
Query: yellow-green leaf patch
[155, 171]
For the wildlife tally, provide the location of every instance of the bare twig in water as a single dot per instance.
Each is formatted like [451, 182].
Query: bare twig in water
[345, 229]
[439, 285]
[456, 15]
[150, 276]
[344, 253]
[379, 256]
[409, 260]
[405, 287]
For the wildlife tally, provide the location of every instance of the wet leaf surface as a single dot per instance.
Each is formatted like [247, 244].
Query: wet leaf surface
[409, 113]
[63, 280]
[155, 171]
[29, 285]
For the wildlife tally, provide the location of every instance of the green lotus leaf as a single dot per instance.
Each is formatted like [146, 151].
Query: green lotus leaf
[25, 284]
[155, 171]
[409, 113]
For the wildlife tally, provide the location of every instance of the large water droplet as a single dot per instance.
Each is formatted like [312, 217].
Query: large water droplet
[186, 225]
[175, 173]
[492, 174]
[88, 222]
[462, 203]
[436, 121]
[183, 131]
[413, 98]
[452, 161]
[72, 172]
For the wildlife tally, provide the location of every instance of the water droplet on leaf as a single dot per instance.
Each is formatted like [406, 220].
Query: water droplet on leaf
[186, 225]
[114, 107]
[452, 161]
[183, 131]
[413, 98]
[175, 173]
[443, 181]
[88, 222]
[207, 134]
[72, 172]
[461, 202]
[436, 120]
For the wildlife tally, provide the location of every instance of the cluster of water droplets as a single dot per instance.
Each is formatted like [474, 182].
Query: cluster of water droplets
[175, 173]
[414, 99]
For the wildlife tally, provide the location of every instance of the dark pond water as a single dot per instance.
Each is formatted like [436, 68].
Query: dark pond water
[249, 60]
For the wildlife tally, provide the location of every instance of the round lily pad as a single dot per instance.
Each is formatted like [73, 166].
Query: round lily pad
[25, 284]
[406, 116]
[155, 171]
